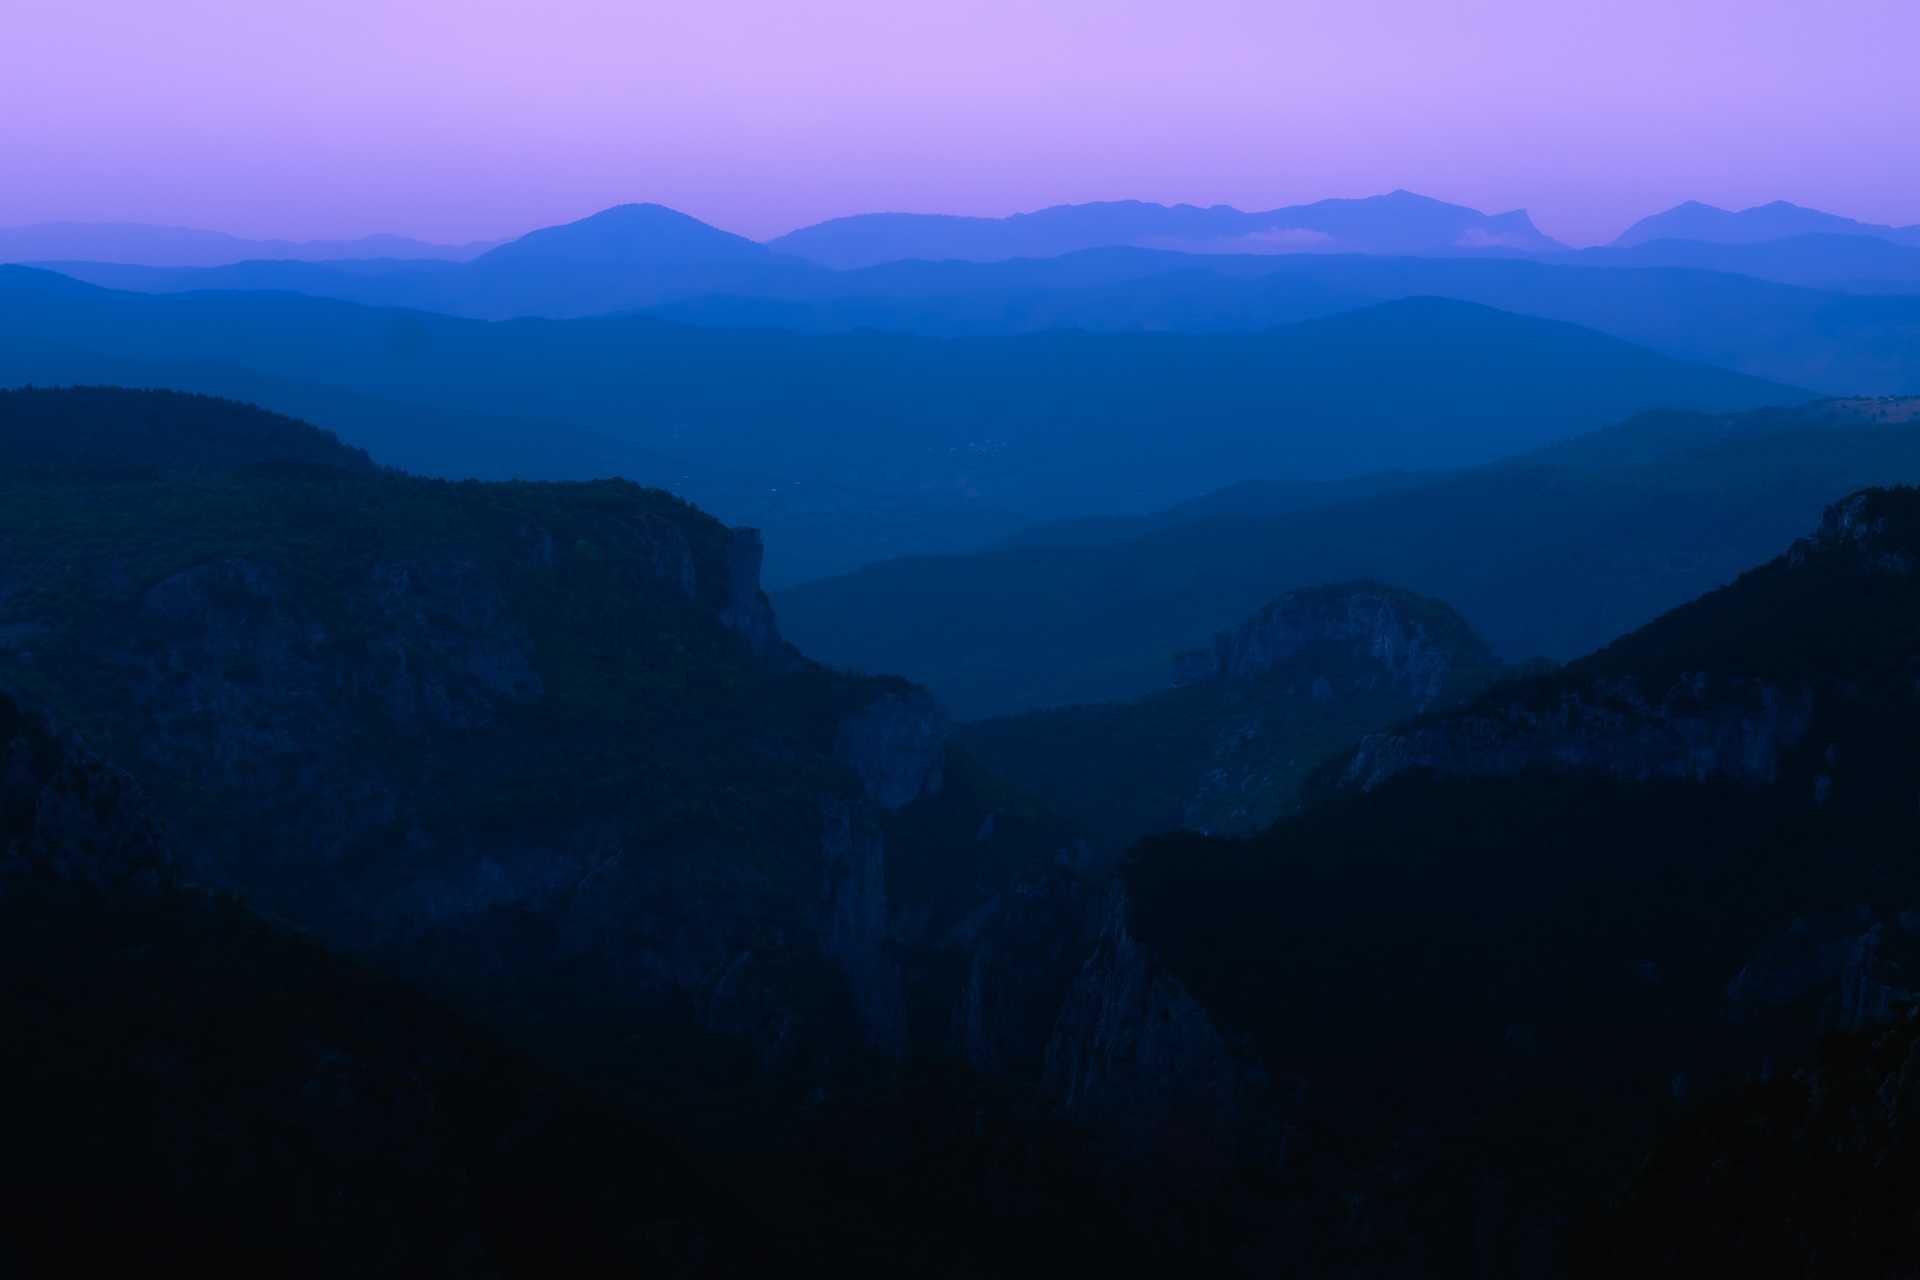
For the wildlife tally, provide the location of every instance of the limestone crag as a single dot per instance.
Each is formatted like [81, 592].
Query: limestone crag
[1135, 1057]
[1703, 727]
[1370, 622]
[897, 747]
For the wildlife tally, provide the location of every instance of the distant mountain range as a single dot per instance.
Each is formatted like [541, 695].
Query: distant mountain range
[872, 443]
[1720, 303]
[143, 245]
[1777, 221]
[1398, 222]
[1547, 555]
[657, 238]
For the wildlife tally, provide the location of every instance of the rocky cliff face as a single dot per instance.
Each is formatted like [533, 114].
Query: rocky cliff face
[68, 816]
[489, 734]
[1309, 669]
[1872, 529]
[1391, 631]
[897, 746]
[1700, 728]
[542, 749]
[1683, 699]
[208, 1085]
[1133, 1056]
[746, 610]
[1227, 748]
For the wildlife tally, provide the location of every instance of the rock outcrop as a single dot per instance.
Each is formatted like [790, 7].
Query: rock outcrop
[1701, 728]
[1135, 1057]
[897, 746]
[69, 816]
[1370, 623]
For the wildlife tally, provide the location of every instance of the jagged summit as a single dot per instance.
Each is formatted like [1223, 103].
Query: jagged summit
[1416, 643]
[1226, 748]
[1399, 221]
[1776, 220]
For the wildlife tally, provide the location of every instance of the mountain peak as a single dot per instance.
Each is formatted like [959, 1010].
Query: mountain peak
[1775, 220]
[1396, 222]
[1414, 642]
[628, 234]
[1875, 528]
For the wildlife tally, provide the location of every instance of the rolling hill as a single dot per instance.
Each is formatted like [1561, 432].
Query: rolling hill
[1398, 222]
[1042, 426]
[1550, 556]
[1776, 221]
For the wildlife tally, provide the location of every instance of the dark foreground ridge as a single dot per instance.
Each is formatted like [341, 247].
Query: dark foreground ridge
[487, 870]
[190, 1082]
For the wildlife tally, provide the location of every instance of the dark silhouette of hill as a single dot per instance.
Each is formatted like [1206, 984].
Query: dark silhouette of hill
[539, 751]
[628, 256]
[1226, 748]
[137, 243]
[1399, 222]
[112, 427]
[1722, 304]
[1513, 944]
[625, 257]
[1046, 426]
[1819, 338]
[1546, 556]
[1776, 221]
[221, 1088]
[813, 531]
[627, 234]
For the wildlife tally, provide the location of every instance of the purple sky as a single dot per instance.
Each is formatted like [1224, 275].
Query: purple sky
[464, 119]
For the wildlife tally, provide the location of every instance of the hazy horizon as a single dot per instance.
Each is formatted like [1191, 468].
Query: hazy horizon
[461, 122]
[270, 237]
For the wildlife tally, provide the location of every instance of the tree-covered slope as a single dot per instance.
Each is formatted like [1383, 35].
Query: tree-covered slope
[475, 727]
[1047, 424]
[186, 1080]
[1225, 751]
[1509, 943]
[1550, 555]
[539, 750]
[1792, 311]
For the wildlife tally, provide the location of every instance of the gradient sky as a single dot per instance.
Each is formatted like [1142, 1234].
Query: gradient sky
[465, 119]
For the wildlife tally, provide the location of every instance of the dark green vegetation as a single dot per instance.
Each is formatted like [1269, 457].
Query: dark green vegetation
[1547, 555]
[185, 1081]
[841, 990]
[189, 1081]
[1510, 943]
[329, 675]
[1725, 305]
[1227, 750]
[1807, 1174]
[538, 750]
[1793, 311]
[866, 444]
[1061, 422]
